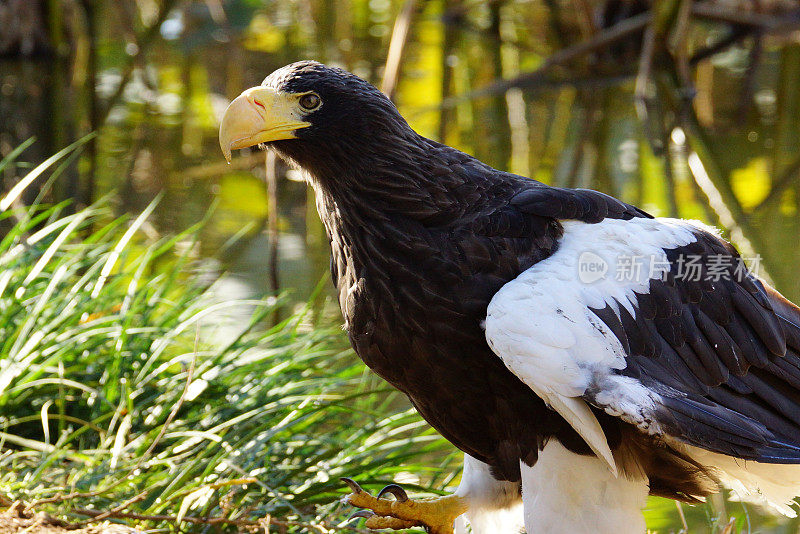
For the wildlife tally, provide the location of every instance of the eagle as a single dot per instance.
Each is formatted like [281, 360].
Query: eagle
[580, 352]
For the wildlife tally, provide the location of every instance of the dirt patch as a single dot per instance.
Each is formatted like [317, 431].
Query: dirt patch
[17, 521]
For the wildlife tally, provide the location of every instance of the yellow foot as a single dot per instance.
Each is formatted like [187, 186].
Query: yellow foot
[436, 515]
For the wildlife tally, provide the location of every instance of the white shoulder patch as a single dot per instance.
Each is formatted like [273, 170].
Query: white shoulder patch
[541, 326]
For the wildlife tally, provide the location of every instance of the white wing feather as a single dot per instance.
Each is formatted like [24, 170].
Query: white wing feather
[541, 326]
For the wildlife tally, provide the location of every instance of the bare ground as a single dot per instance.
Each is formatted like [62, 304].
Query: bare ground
[15, 520]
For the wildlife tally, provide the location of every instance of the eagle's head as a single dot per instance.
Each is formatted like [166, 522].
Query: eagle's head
[316, 115]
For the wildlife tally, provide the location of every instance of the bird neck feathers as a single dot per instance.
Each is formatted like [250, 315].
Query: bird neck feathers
[409, 178]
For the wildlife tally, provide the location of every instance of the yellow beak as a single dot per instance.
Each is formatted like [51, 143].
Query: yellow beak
[259, 115]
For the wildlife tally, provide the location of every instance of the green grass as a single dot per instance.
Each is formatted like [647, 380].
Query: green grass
[113, 396]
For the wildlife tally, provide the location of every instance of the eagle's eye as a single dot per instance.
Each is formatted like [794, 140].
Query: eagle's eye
[310, 101]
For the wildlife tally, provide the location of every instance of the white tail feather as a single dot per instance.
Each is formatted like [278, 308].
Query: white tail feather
[773, 485]
[581, 418]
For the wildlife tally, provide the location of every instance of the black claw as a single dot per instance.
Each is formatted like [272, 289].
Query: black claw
[398, 492]
[352, 484]
[366, 514]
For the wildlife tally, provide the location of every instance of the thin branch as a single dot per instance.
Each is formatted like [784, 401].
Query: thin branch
[642, 91]
[397, 45]
[787, 179]
[728, 216]
[766, 23]
[699, 195]
[669, 170]
[271, 179]
[685, 528]
[115, 510]
[680, 36]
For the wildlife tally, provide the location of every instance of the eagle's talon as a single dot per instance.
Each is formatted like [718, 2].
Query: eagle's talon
[393, 489]
[352, 484]
[366, 514]
[436, 515]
